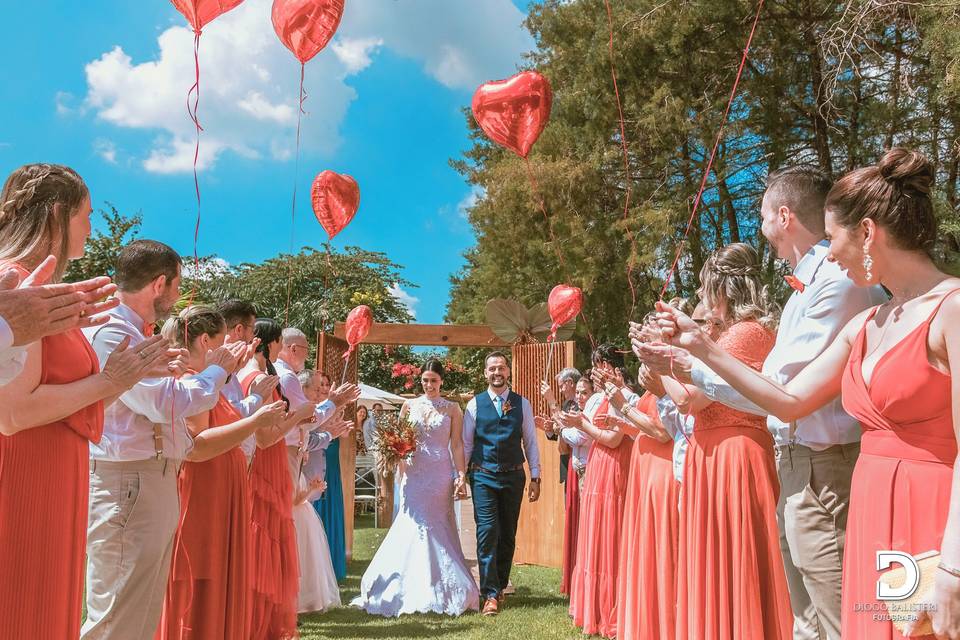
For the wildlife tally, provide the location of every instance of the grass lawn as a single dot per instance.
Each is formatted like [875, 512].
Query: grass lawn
[535, 612]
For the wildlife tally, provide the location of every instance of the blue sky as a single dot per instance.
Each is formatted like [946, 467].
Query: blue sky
[100, 85]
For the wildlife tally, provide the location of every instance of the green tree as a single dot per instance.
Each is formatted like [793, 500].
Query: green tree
[808, 95]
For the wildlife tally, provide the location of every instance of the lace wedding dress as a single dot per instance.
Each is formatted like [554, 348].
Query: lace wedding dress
[420, 567]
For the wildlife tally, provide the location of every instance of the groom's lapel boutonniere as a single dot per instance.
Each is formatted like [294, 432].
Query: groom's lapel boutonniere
[506, 407]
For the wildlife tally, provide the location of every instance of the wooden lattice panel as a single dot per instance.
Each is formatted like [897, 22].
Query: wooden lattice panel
[540, 534]
[330, 350]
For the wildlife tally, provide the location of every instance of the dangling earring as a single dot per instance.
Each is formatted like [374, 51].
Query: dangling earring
[867, 265]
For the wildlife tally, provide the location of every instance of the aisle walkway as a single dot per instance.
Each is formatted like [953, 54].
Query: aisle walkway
[536, 611]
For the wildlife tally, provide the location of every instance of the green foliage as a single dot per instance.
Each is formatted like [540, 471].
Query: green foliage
[808, 95]
[102, 249]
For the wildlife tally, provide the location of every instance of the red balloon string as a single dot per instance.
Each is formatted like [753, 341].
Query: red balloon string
[293, 208]
[535, 187]
[706, 174]
[626, 165]
[713, 153]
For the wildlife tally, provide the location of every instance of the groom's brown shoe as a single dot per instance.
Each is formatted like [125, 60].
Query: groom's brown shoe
[490, 607]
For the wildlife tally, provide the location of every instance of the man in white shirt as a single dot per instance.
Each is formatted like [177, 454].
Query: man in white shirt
[498, 429]
[32, 309]
[134, 506]
[815, 455]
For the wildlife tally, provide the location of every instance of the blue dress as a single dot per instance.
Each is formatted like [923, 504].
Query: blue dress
[330, 509]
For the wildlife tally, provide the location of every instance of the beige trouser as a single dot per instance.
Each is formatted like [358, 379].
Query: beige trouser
[812, 517]
[134, 510]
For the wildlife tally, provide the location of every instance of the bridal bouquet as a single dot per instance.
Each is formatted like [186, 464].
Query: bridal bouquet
[394, 441]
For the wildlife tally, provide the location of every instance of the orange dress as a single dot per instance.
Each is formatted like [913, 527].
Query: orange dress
[208, 593]
[731, 583]
[593, 589]
[900, 492]
[647, 581]
[44, 488]
[275, 572]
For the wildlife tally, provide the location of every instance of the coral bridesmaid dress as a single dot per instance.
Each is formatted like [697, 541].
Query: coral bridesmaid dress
[208, 594]
[275, 572]
[570, 524]
[44, 486]
[647, 581]
[731, 583]
[593, 589]
[901, 486]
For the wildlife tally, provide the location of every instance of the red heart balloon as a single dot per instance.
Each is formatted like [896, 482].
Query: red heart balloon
[306, 26]
[336, 199]
[199, 12]
[359, 322]
[514, 111]
[564, 304]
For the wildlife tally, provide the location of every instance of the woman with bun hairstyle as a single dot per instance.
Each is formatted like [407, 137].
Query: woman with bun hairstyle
[893, 364]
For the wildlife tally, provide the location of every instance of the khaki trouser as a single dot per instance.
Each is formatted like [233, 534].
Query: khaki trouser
[134, 511]
[812, 517]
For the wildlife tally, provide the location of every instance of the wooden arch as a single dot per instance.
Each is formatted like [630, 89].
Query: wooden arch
[540, 533]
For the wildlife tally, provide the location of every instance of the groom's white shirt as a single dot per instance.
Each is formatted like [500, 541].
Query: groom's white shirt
[530, 448]
[811, 320]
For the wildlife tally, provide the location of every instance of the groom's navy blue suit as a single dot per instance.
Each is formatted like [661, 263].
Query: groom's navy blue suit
[497, 481]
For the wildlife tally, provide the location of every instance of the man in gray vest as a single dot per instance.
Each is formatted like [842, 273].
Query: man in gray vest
[497, 429]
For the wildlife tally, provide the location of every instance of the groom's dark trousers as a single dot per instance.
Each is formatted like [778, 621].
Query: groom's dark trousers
[497, 497]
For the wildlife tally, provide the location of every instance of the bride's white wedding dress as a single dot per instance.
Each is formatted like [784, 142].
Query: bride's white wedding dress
[420, 567]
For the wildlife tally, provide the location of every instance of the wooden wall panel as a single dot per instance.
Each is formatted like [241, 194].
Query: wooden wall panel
[540, 533]
[330, 350]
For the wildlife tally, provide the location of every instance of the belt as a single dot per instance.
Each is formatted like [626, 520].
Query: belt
[802, 451]
[149, 464]
[517, 467]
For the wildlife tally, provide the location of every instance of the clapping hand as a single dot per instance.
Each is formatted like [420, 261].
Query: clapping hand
[226, 357]
[125, 367]
[570, 419]
[345, 394]
[337, 426]
[269, 415]
[678, 329]
[263, 386]
[547, 392]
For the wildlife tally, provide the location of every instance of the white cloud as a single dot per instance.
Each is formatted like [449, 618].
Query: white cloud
[249, 81]
[106, 149]
[405, 298]
[475, 195]
[355, 53]
[210, 268]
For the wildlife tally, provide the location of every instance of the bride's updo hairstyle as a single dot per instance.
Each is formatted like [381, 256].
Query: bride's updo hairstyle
[433, 365]
[895, 194]
[730, 281]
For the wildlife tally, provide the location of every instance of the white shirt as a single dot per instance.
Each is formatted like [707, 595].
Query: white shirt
[316, 464]
[245, 406]
[680, 426]
[530, 448]
[369, 428]
[293, 390]
[811, 321]
[128, 422]
[579, 444]
[12, 359]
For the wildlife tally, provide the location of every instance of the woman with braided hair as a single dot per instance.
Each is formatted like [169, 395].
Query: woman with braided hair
[49, 414]
[730, 577]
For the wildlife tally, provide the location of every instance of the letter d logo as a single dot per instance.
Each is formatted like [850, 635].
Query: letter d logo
[911, 571]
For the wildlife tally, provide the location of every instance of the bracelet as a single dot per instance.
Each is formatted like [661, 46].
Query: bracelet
[951, 570]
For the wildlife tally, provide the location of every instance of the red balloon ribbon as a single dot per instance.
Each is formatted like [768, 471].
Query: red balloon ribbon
[306, 26]
[716, 145]
[336, 198]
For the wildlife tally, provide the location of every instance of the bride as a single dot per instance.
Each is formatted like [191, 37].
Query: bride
[419, 567]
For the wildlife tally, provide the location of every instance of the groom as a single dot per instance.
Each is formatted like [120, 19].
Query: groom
[497, 429]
